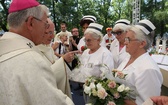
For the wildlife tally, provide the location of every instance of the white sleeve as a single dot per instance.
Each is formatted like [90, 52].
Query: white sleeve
[32, 82]
[80, 44]
[108, 60]
[148, 83]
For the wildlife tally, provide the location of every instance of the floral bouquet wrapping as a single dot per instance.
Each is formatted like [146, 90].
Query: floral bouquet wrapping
[102, 91]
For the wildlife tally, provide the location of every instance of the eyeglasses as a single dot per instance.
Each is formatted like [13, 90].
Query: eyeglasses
[50, 33]
[88, 40]
[46, 24]
[118, 32]
[127, 39]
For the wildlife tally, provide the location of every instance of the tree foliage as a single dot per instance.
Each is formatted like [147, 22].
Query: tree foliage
[106, 12]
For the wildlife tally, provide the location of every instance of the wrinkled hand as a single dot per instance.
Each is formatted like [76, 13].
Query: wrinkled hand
[69, 57]
[129, 102]
[160, 100]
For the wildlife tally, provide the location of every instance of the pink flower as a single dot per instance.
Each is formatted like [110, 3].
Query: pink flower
[116, 95]
[111, 103]
[120, 74]
[102, 93]
[111, 84]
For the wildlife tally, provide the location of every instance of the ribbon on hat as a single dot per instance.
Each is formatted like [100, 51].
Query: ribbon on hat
[146, 26]
[89, 17]
[98, 29]
[123, 23]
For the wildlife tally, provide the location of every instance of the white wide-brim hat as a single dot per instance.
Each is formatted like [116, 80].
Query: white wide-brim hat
[123, 24]
[88, 18]
[96, 28]
[146, 26]
[123, 21]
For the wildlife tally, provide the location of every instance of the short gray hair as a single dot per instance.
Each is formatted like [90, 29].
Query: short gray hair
[16, 19]
[122, 27]
[141, 36]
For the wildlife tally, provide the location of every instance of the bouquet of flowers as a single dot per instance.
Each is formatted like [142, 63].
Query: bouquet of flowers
[103, 91]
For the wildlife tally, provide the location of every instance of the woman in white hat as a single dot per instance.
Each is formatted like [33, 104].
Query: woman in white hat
[84, 23]
[143, 74]
[93, 58]
[117, 47]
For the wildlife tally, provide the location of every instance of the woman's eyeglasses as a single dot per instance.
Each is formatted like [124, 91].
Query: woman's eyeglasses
[128, 40]
[89, 40]
[46, 24]
[118, 32]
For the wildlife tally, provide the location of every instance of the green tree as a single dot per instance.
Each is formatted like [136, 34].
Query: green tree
[157, 12]
[4, 13]
[106, 12]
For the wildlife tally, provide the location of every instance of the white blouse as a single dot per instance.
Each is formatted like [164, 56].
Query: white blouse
[118, 56]
[143, 77]
[91, 64]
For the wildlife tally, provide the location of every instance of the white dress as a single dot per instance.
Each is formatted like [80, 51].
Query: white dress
[91, 64]
[118, 56]
[61, 48]
[143, 77]
[25, 77]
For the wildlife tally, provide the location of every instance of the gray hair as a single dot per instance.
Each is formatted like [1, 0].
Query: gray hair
[141, 36]
[122, 27]
[16, 19]
[94, 34]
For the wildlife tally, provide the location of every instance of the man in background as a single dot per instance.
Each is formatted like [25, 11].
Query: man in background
[63, 27]
[73, 44]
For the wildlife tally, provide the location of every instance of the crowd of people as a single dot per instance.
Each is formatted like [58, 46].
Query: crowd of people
[37, 64]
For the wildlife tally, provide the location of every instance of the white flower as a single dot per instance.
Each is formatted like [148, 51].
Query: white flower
[92, 85]
[99, 86]
[121, 88]
[127, 89]
[87, 90]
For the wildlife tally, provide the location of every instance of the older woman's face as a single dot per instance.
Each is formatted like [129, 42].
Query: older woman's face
[132, 44]
[91, 42]
[120, 35]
